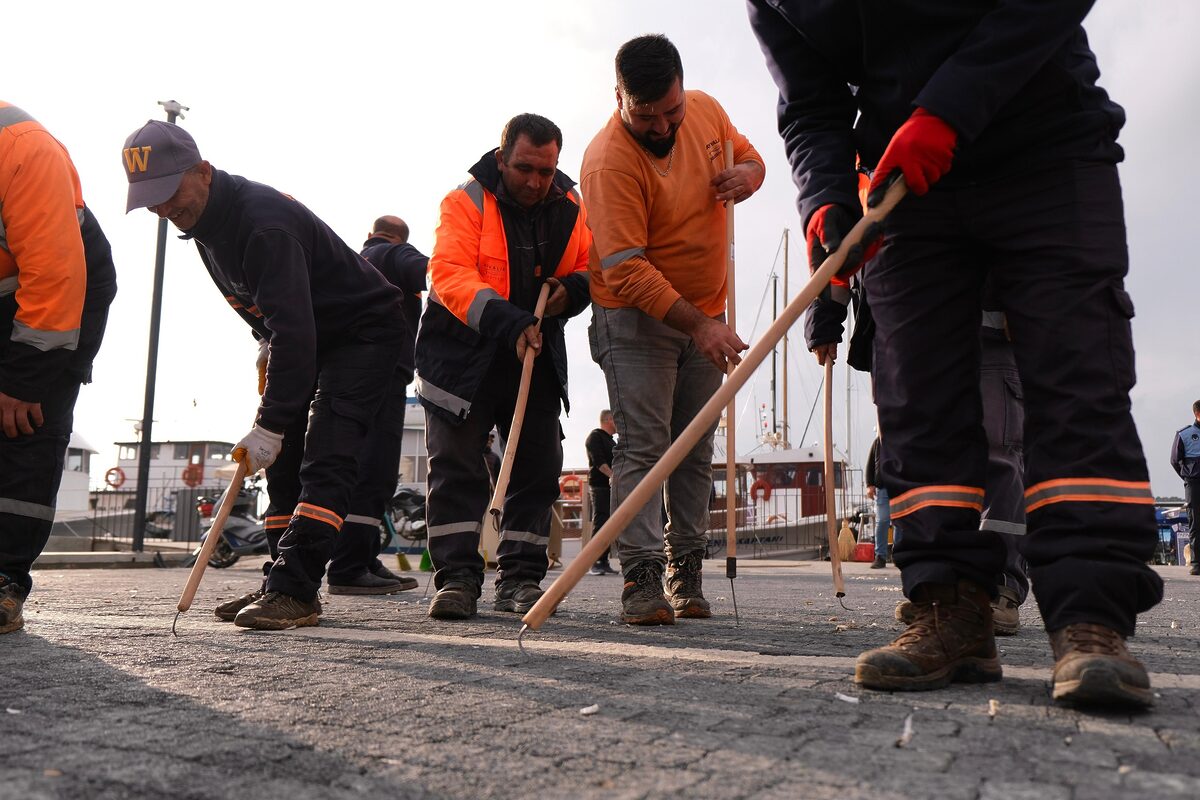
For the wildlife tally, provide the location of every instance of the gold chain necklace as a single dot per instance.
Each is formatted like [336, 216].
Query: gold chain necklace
[654, 166]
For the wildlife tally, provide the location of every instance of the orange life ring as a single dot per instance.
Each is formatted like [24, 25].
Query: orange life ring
[571, 488]
[762, 486]
[115, 477]
[193, 475]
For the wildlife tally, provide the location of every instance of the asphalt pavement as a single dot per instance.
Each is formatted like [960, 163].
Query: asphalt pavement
[99, 700]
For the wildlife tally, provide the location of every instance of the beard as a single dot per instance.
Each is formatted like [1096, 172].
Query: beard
[659, 147]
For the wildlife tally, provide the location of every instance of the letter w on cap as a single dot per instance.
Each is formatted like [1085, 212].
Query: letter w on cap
[137, 158]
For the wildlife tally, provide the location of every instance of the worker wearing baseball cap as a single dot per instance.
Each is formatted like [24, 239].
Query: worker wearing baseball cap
[333, 325]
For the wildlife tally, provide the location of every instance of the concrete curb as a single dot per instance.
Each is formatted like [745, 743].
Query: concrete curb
[110, 560]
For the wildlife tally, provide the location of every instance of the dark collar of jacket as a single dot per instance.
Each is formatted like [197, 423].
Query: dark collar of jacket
[488, 174]
[220, 203]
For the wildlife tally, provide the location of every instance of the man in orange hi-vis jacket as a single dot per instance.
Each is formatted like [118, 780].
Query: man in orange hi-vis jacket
[515, 225]
[56, 282]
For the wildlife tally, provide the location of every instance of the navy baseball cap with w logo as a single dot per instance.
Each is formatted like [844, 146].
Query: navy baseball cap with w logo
[155, 157]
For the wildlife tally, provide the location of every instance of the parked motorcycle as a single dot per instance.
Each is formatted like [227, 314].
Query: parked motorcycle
[243, 535]
[404, 518]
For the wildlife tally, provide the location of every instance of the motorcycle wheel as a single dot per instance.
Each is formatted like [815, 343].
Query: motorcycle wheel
[223, 556]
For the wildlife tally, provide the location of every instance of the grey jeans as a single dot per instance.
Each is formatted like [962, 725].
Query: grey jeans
[657, 382]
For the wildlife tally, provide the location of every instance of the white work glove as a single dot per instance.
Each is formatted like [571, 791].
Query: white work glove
[258, 449]
[264, 348]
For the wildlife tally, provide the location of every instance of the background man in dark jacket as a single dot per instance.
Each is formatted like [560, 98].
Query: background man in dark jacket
[334, 327]
[599, 445]
[516, 224]
[991, 112]
[1185, 458]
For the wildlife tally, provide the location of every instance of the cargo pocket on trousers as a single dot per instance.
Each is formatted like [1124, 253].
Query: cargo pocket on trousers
[1014, 412]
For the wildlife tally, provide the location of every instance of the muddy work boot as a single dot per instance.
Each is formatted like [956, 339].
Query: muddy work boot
[683, 586]
[1094, 668]
[455, 600]
[642, 599]
[949, 640]
[12, 600]
[517, 596]
[276, 611]
[1006, 612]
[227, 611]
[1006, 616]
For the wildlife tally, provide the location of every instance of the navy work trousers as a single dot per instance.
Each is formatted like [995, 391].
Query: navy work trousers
[358, 390]
[357, 545]
[31, 467]
[458, 477]
[1054, 244]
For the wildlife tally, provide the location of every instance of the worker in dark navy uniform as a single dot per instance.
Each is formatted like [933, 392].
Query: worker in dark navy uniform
[990, 111]
[1185, 459]
[334, 327]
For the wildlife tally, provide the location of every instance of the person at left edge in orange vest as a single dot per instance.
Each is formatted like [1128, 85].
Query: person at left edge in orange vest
[334, 327]
[56, 283]
[515, 224]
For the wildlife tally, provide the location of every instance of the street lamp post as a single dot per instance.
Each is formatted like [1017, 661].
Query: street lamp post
[174, 111]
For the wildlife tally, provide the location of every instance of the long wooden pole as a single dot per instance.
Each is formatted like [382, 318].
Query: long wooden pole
[210, 541]
[731, 409]
[514, 431]
[787, 436]
[652, 483]
[835, 557]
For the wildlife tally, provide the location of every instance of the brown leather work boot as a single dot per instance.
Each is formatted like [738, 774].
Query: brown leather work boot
[949, 640]
[1094, 668]
[683, 586]
[1006, 613]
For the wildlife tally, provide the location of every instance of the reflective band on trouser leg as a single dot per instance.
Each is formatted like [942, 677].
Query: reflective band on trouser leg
[23, 508]
[945, 496]
[450, 528]
[524, 536]
[361, 520]
[1087, 490]
[319, 514]
[277, 523]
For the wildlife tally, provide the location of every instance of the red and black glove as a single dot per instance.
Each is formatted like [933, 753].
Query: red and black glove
[826, 229]
[921, 150]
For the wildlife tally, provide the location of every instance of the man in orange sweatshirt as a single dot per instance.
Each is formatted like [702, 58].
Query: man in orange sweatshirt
[656, 186]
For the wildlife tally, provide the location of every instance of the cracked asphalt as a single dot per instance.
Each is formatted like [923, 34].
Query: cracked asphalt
[99, 700]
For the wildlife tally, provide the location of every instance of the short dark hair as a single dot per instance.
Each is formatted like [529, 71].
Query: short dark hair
[540, 131]
[647, 67]
[1196, 407]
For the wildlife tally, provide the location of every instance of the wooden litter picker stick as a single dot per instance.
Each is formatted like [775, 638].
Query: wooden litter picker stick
[652, 483]
[835, 556]
[514, 431]
[210, 541]
[731, 409]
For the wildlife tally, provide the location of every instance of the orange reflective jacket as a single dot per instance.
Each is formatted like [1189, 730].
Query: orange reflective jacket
[482, 286]
[41, 250]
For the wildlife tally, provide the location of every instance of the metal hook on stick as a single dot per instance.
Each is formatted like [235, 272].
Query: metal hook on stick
[210, 542]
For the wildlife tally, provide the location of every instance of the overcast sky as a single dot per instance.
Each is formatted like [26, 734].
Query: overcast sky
[361, 109]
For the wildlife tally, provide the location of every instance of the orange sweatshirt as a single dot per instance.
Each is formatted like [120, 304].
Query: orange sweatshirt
[658, 238]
